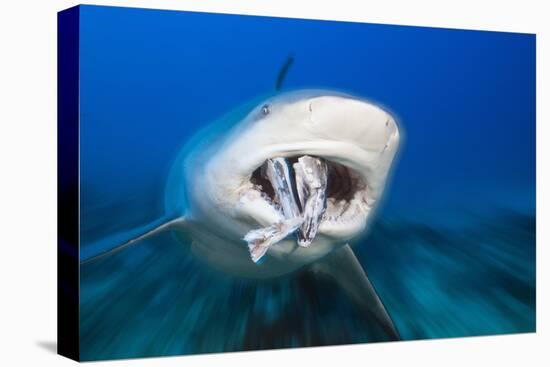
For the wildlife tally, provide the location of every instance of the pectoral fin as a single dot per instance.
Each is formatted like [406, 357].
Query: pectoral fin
[147, 231]
[344, 269]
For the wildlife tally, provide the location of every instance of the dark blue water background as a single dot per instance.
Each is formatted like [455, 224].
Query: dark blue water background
[452, 250]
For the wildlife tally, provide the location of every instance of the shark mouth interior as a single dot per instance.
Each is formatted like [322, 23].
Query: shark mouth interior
[311, 194]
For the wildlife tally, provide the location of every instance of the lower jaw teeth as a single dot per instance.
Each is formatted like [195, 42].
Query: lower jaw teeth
[310, 186]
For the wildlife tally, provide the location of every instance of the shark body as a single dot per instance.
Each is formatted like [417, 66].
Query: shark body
[216, 192]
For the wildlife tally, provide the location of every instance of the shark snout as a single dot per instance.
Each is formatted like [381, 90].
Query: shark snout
[352, 120]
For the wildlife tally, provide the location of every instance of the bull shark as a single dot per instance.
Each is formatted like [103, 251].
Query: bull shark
[284, 183]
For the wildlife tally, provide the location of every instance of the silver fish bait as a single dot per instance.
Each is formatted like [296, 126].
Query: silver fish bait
[311, 184]
[278, 173]
[259, 240]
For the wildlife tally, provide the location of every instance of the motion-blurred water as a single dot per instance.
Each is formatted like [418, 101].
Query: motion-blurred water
[451, 251]
[158, 300]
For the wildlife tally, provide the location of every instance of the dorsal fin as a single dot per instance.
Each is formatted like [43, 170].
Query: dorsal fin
[283, 72]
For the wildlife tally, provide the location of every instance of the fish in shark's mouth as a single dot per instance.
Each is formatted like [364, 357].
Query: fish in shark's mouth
[308, 192]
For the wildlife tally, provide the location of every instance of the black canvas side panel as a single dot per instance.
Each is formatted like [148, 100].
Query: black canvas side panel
[67, 183]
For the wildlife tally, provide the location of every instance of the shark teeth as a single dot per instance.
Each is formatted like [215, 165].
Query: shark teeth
[309, 184]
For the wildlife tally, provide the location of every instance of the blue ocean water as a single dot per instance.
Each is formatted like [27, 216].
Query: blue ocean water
[451, 252]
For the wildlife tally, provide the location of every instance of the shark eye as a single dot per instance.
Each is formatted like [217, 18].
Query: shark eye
[265, 109]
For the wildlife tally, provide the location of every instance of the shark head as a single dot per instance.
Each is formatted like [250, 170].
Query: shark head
[355, 138]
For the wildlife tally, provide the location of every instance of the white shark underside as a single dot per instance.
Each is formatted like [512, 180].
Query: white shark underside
[215, 194]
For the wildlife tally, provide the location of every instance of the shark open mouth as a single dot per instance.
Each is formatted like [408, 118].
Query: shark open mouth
[312, 194]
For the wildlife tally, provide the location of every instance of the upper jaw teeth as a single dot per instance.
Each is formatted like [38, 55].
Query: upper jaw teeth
[308, 186]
